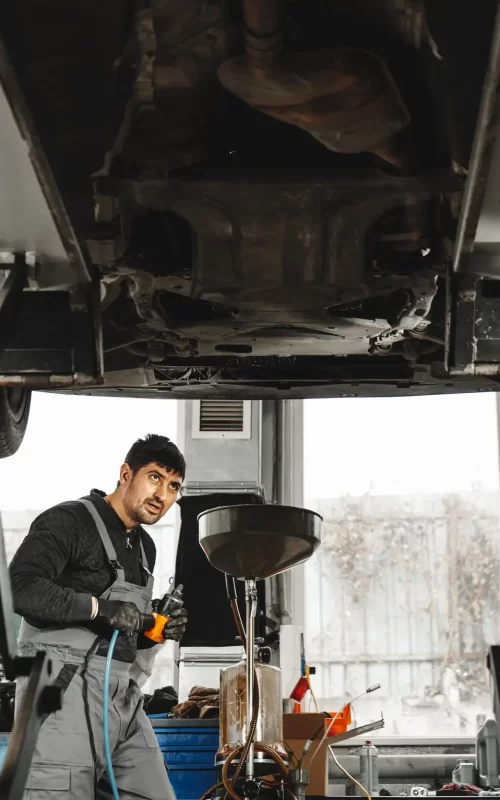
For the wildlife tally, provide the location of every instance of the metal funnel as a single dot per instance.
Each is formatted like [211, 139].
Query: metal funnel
[258, 541]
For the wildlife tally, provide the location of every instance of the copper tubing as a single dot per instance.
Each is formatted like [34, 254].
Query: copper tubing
[211, 790]
[264, 31]
[261, 748]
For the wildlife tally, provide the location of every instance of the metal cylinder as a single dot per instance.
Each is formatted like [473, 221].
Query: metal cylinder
[251, 606]
[439, 765]
[234, 718]
[299, 781]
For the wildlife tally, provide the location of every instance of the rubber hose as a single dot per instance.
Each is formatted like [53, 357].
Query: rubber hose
[105, 718]
[230, 587]
[239, 622]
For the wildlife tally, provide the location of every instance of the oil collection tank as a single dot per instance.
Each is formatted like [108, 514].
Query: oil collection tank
[233, 717]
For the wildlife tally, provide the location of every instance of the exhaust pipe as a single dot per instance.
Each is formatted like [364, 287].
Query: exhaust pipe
[264, 32]
[345, 97]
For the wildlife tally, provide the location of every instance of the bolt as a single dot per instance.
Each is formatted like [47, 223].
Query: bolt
[467, 295]
[252, 788]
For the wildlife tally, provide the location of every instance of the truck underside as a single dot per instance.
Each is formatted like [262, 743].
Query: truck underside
[253, 198]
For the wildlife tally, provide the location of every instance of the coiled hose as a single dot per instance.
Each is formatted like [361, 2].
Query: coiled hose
[261, 748]
[105, 718]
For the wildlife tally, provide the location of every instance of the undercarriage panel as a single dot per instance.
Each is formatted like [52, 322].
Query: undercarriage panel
[281, 212]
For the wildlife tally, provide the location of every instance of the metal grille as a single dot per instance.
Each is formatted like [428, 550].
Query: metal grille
[221, 416]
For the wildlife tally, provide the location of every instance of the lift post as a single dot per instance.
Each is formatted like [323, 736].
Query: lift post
[262, 454]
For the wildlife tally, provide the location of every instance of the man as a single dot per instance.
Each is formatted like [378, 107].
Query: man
[83, 571]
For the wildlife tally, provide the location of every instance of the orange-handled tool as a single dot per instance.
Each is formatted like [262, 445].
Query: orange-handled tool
[171, 602]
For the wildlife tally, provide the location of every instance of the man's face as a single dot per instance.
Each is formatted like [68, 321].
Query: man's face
[149, 493]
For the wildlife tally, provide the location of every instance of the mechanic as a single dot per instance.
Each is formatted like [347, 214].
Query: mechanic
[83, 571]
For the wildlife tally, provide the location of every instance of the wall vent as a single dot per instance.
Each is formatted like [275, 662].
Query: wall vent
[222, 419]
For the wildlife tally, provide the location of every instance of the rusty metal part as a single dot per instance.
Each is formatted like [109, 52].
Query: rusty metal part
[281, 242]
[180, 45]
[275, 256]
[406, 230]
[184, 66]
[32, 381]
[345, 98]
[264, 32]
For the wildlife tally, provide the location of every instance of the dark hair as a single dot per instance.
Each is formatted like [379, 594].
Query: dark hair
[158, 450]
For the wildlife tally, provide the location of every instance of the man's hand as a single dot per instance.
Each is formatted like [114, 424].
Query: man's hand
[176, 626]
[124, 617]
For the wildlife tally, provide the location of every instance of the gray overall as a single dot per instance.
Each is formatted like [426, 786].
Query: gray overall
[69, 757]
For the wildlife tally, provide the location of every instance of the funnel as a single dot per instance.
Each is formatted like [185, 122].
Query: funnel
[258, 541]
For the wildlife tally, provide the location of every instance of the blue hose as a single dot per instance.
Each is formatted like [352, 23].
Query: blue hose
[105, 718]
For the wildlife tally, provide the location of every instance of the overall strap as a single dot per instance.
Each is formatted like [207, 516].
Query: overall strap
[105, 538]
[145, 566]
[144, 560]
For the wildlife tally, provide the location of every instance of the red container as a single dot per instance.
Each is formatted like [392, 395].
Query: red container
[300, 690]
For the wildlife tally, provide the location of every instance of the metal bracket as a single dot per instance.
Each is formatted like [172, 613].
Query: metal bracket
[44, 340]
[359, 731]
[210, 658]
[11, 288]
[232, 487]
[39, 699]
[473, 327]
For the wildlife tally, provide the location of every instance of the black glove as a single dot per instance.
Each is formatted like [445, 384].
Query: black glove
[176, 626]
[124, 617]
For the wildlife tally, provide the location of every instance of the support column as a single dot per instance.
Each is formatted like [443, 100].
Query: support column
[283, 479]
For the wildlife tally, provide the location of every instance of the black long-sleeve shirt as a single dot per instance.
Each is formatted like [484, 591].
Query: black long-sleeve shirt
[62, 563]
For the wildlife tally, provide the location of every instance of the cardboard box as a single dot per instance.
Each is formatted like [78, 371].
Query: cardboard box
[297, 729]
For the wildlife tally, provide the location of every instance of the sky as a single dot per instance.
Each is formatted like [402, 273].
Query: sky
[352, 446]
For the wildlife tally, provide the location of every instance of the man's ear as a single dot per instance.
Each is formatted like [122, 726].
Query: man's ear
[125, 475]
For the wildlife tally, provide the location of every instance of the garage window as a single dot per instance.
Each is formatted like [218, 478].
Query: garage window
[404, 590]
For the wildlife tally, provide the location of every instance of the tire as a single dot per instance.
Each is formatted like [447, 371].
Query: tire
[14, 412]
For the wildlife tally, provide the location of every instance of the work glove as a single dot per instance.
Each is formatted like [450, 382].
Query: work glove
[176, 626]
[124, 617]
